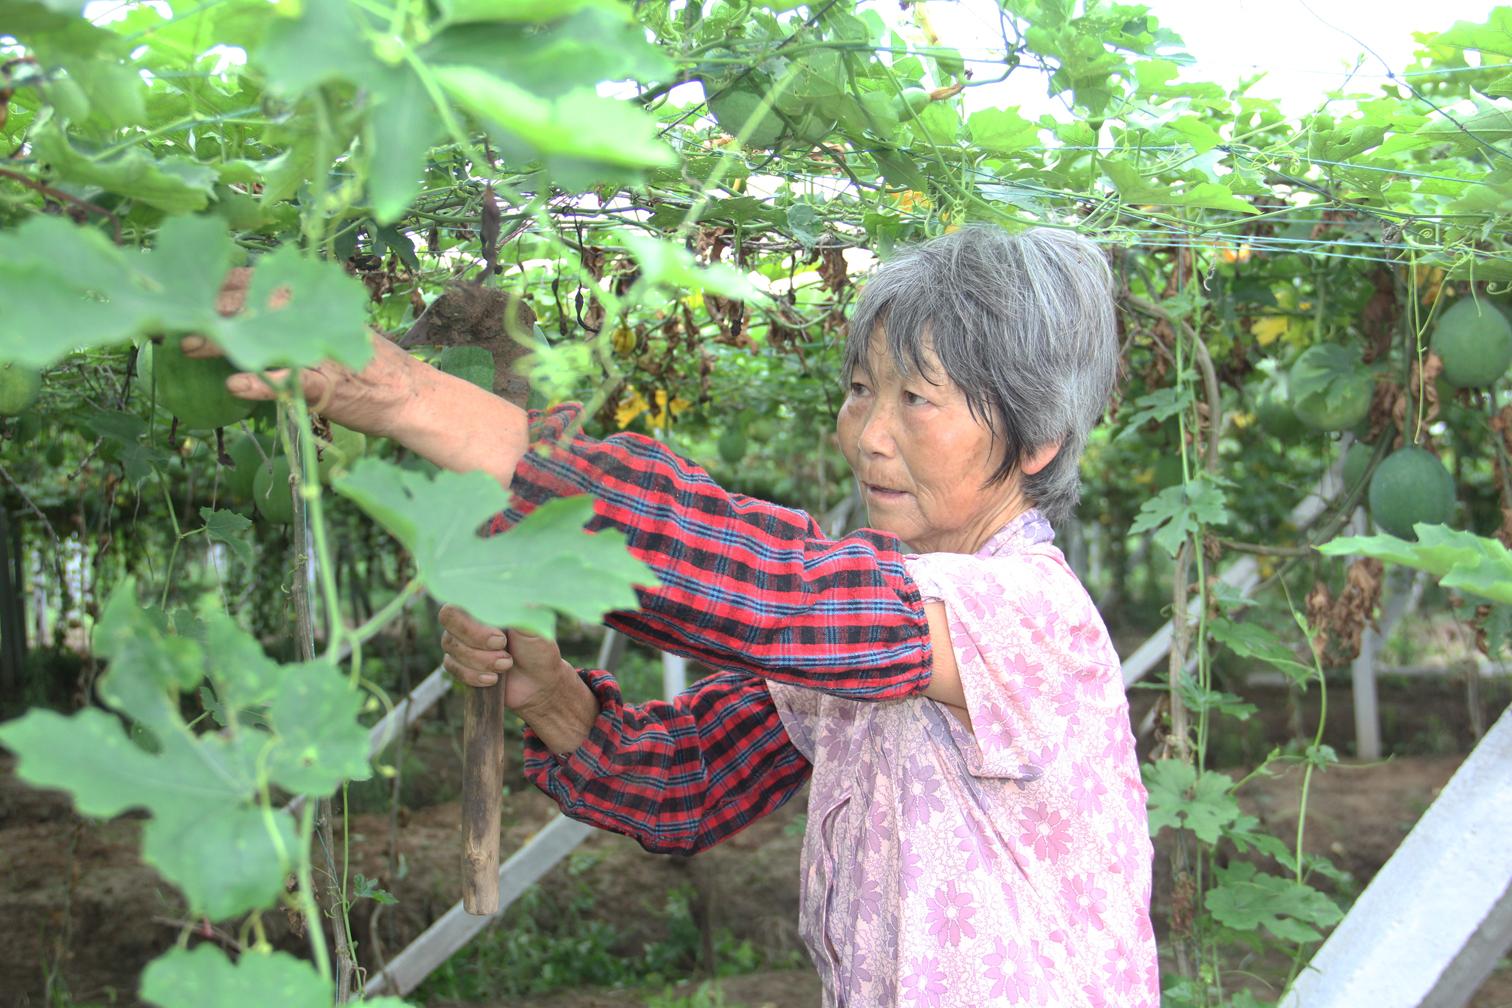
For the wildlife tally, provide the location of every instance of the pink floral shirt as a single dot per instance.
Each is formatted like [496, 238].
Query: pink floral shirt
[1011, 866]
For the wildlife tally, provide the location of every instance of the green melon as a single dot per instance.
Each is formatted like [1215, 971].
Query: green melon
[1274, 413]
[737, 114]
[1410, 486]
[1330, 389]
[239, 478]
[911, 102]
[194, 389]
[341, 452]
[271, 491]
[732, 445]
[1474, 340]
[19, 388]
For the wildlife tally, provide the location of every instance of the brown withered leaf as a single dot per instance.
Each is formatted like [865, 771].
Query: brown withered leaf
[832, 272]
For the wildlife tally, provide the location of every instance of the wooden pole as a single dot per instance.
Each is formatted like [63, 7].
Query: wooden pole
[482, 797]
[483, 712]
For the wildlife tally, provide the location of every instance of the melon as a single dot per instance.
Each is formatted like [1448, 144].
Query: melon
[271, 491]
[1274, 413]
[1474, 340]
[737, 114]
[194, 389]
[246, 460]
[1330, 389]
[19, 388]
[1410, 486]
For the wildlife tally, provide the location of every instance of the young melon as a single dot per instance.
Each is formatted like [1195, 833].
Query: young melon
[194, 389]
[271, 491]
[19, 387]
[734, 110]
[1410, 486]
[1330, 389]
[1274, 413]
[244, 453]
[1474, 340]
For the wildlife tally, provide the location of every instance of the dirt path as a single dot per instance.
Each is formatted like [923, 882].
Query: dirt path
[79, 904]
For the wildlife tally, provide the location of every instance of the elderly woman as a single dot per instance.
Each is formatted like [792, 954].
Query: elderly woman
[976, 823]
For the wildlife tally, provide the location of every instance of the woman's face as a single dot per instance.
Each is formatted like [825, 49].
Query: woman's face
[922, 459]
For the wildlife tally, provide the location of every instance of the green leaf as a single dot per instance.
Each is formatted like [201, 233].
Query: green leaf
[207, 833]
[668, 265]
[320, 741]
[528, 11]
[547, 563]
[1246, 899]
[1180, 798]
[398, 139]
[1463, 561]
[171, 184]
[324, 316]
[579, 124]
[1178, 511]
[231, 529]
[194, 978]
[67, 288]
[1158, 405]
[1002, 131]
[1251, 640]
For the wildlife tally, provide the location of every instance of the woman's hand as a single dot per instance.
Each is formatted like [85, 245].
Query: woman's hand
[478, 654]
[440, 417]
[373, 400]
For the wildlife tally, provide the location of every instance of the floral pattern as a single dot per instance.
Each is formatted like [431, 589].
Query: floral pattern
[1008, 864]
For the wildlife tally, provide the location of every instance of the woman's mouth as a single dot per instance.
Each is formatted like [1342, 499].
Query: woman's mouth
[883, 493]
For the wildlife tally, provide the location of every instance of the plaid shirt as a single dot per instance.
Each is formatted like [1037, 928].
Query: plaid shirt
[750, 588]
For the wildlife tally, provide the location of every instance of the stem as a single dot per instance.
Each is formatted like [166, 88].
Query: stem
[368, 630]
[307, 891]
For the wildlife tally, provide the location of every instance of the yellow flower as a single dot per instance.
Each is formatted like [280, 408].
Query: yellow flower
[1269, 329]
[630, 407]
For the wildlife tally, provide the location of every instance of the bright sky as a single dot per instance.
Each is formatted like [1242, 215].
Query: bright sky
[1303, 46]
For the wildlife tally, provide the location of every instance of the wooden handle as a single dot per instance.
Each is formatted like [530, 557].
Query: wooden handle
[482, 797]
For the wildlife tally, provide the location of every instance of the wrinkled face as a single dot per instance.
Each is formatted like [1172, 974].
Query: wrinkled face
[922, 459]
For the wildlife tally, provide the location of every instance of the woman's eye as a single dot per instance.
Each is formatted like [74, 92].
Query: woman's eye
[913, 399]
[856, 388]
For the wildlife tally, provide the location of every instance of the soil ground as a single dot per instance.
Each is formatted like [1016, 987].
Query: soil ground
[83, 915]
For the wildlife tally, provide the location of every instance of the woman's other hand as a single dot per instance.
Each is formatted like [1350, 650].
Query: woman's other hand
[478, 655]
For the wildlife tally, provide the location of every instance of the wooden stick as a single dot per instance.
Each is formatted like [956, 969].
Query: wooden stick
[483, 712]
[482, 797]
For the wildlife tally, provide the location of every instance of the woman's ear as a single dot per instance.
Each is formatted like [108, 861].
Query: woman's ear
[1034, 461]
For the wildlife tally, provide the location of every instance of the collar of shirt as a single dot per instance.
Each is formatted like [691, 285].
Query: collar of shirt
[1028, 529]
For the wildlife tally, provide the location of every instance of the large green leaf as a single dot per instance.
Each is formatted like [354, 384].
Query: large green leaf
[580, 124]
[547, 563]
[67, 288]
[1463, 561]
[1181, 797]
[208, 832]
[170, 184]
[1177, 511]
[1247, 899]
[203, 976]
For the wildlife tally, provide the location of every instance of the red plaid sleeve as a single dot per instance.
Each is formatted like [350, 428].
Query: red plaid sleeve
[680, 775]
[747, 586]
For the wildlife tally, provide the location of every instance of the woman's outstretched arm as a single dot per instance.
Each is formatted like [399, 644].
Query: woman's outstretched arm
[746, 585]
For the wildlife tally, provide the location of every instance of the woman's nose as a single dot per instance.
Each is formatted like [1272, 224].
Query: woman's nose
[876, 436]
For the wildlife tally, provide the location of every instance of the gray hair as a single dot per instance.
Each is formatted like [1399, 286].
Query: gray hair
[1023, 324]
